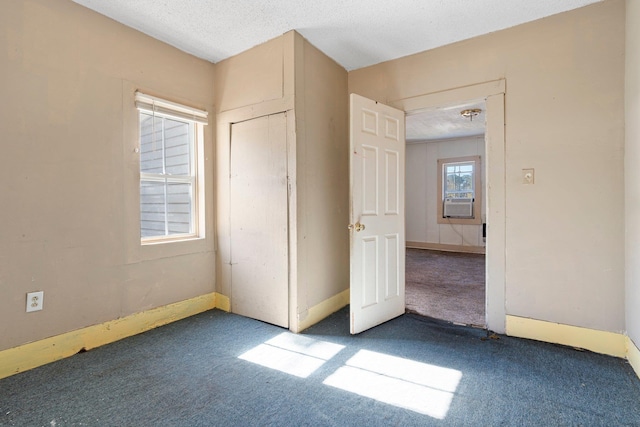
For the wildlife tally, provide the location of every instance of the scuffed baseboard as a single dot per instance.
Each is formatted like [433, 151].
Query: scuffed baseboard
[38, 353]
[322, 310]
[633, 355]
[446, 248]
[603, 342]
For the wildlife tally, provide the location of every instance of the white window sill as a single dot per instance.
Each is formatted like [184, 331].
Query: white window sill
[177, 239]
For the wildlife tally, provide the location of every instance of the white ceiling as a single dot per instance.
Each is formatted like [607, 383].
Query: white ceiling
[355, 33]
[445, 123]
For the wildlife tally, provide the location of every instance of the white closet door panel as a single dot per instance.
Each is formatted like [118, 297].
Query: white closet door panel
[259, 224]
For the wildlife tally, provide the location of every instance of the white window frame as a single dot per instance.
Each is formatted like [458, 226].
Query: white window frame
[477, 190]
[196, 119]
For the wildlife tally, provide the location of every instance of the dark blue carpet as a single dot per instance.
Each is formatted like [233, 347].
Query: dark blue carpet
[207, 371]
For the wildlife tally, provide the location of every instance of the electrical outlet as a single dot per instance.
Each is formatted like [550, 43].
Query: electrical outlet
[35, 301]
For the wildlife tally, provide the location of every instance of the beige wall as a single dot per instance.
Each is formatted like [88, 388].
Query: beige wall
[252, 84]
[288, 74]
[70, 177]
[564, 117]
[322, 176]
[422, 192]
[69, 174]
[255, 76]
[632, 170]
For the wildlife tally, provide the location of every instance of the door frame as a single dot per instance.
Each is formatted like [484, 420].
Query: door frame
[493, 93]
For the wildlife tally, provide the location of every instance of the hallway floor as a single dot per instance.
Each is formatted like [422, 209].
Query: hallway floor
[446, 285]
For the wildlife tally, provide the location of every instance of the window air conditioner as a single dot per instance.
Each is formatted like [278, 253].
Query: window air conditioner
[458, 208]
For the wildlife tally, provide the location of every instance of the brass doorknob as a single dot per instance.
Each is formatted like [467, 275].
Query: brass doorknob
[357, 226]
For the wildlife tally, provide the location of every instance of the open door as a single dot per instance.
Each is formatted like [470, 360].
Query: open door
[377, 243]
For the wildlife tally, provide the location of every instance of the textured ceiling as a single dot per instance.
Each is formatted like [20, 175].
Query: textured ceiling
[445, 123]
[355, 33]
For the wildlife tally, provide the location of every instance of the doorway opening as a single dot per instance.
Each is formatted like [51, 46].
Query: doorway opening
[492, 94]
[446, 247]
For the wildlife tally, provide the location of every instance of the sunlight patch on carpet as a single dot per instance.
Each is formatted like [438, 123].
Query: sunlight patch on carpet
[420, 387]
[293, 354]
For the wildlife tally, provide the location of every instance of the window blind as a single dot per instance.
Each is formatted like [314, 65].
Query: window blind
[153, 105]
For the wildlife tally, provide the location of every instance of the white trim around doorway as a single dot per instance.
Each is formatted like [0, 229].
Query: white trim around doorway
[493, 93]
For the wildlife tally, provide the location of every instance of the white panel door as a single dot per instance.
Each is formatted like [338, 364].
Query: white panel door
[377, 213]
[259, 224]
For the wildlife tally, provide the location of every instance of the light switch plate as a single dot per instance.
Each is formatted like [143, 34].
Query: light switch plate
[528, 176]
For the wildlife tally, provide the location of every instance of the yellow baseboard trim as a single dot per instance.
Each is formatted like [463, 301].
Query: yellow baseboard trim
[223, 302]
[633, 355]
[446, 248]
[322, 310]
[38, 353]
[603, 342]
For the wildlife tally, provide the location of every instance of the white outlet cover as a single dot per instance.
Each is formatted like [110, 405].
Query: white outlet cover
[35, 301]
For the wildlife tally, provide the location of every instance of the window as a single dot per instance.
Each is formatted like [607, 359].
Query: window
[170, 170]
[458, 180]
[459, 190]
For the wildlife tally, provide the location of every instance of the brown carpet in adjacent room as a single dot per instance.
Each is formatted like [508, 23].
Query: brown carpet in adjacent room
[446, 285]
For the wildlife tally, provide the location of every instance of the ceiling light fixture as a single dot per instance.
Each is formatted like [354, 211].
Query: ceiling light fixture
[470, 113]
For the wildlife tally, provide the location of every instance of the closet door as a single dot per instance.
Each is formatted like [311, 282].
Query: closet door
[259, 223]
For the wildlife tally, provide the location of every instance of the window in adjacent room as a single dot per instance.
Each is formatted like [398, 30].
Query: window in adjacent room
[459, 190]
[171, 193]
